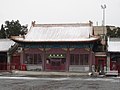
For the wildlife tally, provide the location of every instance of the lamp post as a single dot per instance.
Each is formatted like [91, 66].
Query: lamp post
[104, 33]
[103, 27]
[103, 21]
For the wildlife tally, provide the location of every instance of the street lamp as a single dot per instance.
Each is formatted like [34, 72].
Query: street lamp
[104, 33]
[103, 21]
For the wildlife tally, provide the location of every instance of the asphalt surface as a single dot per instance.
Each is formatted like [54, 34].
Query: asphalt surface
[59, 83]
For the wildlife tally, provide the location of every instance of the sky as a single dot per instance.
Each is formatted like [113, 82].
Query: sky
[60, 11]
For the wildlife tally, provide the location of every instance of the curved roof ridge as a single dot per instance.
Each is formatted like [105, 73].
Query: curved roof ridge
[63, 25]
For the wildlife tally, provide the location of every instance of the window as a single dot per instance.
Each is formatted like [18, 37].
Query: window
[79, 59]
[72, 61]
[63, 60]
[33, 59]
[84, 59]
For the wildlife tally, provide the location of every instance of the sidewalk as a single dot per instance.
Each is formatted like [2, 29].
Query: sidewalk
[43, 73]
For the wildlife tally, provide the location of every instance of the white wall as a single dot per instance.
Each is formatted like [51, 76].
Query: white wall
[79, 68]
[34, 67]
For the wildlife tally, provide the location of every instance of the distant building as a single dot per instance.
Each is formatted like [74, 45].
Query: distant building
[114, 54]
[58, 47]
[100, 30]
[100, 48]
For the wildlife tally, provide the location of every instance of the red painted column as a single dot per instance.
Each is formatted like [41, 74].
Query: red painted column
[67, 59]
[90, 60]
[43, 60]
[93, 58]
[22, 56]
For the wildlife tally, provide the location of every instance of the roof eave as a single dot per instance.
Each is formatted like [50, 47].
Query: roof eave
[113, 51]
[4, 51]
[23, 41]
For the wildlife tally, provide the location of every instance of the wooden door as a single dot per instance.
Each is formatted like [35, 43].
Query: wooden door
[100, 64]
[56, 64]
[15, 62]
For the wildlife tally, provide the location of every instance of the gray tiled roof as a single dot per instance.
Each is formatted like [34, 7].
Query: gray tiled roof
[5, 44]
[58, 33]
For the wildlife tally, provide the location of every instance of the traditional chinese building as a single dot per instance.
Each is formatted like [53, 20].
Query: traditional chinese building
[58, 47]
[5, 53]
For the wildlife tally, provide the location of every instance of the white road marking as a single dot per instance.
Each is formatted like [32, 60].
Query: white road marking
[116, 77]
[33, 78]
[27, 78]
[61, 79]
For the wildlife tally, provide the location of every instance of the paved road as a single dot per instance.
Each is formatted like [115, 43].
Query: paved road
[63, 83]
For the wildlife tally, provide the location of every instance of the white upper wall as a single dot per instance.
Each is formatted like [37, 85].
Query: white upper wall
[114, 45]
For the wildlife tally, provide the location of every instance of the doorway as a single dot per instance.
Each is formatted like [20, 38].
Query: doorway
[115, 64]
[55, 62]
[3, 61]
[15, 62]
[100, 64]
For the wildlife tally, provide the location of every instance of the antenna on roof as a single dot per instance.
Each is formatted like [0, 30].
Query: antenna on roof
[33, 23]
[90, 23]
[97, 23]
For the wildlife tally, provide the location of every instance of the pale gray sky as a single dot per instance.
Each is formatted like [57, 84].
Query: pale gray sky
[59, 11]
